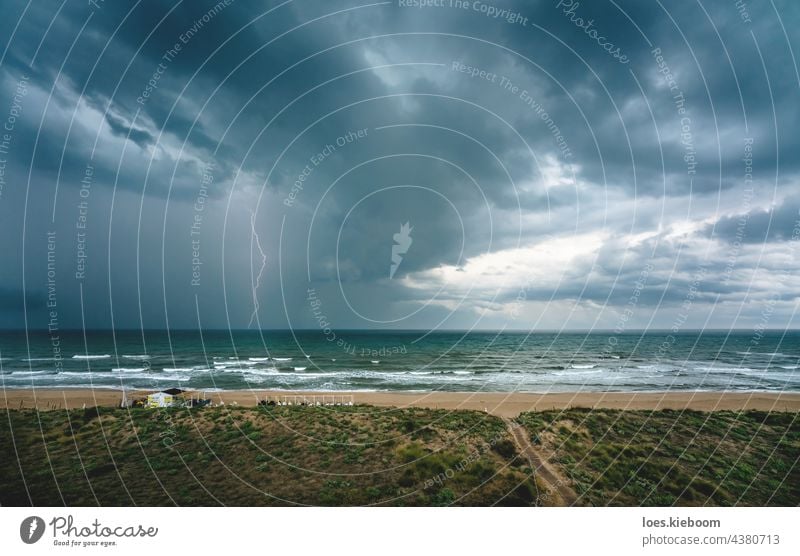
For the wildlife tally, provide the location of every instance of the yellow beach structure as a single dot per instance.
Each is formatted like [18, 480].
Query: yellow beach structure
[159, 399]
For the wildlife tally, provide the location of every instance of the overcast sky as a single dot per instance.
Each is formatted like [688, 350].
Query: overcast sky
[628, 164]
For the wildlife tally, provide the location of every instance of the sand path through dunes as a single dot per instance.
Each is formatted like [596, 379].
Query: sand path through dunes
[558, 491]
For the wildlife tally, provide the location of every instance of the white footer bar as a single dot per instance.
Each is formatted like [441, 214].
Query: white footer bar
[382, 531]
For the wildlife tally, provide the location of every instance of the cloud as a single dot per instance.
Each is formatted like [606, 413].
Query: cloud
[543, 265]
[14, 301]
[563, 175]
[122, 129]
[777, 224]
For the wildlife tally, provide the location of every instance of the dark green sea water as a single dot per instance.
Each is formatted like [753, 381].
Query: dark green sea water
[360, 360]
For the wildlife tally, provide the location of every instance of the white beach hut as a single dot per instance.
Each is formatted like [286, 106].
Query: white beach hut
[159, 399]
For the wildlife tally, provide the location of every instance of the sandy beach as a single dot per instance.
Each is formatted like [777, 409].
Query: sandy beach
[501, 404]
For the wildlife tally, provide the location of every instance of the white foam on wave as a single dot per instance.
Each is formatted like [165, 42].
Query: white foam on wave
[104, 356]
[300, 368]
[403, 377]
[129, 370]
[261, 371]
[258, 359]
[179, 369]
[583, 366]
[166, 377]
[250, 370]
[282, 358]
[725, 369]
[237, 363]
[136, 357]
[100, 376]
[578, 373]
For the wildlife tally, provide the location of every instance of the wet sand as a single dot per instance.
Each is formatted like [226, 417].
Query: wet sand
[501, 404]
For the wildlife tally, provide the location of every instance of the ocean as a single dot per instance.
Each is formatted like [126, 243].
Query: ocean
[406, 360]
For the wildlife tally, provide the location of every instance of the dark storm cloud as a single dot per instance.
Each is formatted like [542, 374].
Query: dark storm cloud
[474, 167]
[778, 224]
[121, 129]
[14, 301]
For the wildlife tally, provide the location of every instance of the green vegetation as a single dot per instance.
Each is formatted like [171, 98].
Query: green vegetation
[367, 455]
[663, 458]
[259, 456]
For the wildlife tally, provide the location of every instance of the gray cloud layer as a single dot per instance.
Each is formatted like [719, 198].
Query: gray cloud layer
[550, 190]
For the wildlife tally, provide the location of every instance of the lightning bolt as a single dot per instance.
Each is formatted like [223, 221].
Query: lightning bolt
[254, 235]
[33, 526]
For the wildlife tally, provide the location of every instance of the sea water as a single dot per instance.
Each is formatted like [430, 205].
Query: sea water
[403, 360]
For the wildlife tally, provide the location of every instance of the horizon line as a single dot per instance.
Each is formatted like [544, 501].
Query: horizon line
[401, 330]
